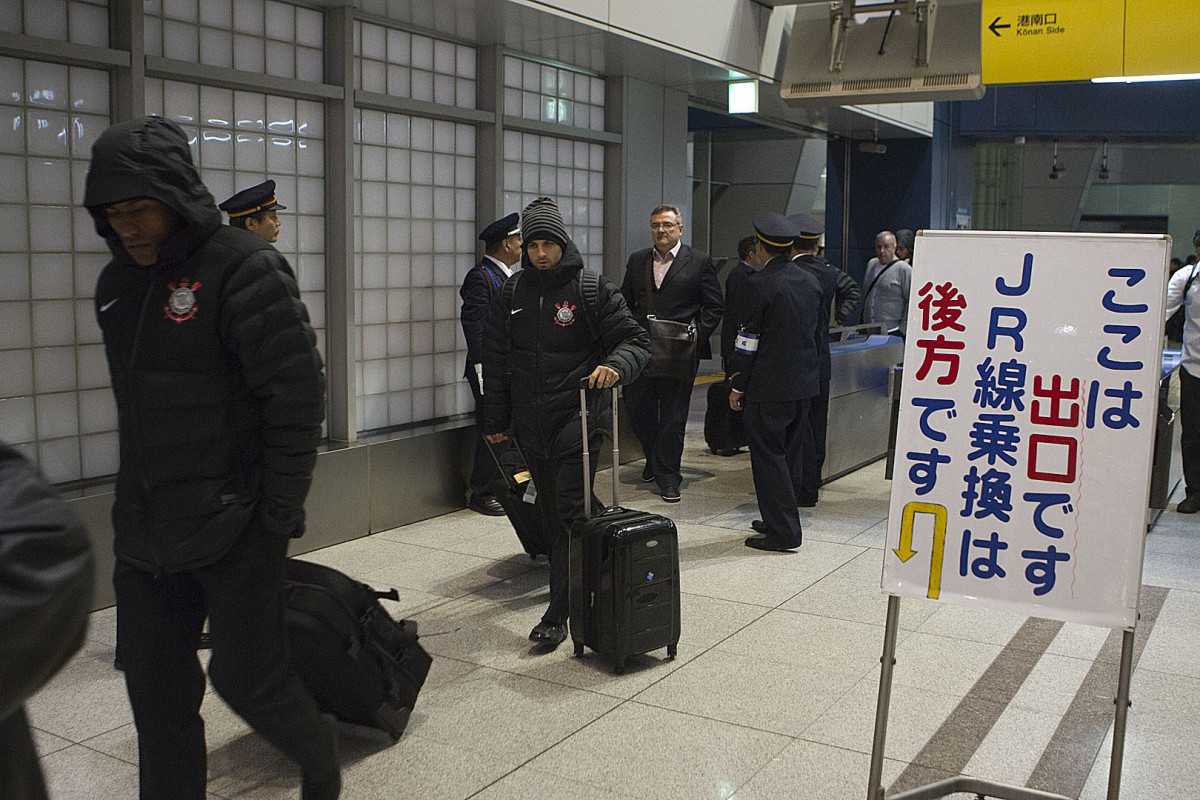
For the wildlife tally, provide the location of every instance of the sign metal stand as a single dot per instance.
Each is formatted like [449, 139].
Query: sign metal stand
[963, 783]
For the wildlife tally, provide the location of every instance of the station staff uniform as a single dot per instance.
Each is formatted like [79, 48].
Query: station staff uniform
[775, 364]
[806, 473]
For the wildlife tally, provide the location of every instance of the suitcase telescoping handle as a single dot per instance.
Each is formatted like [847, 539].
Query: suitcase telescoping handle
[587, 465]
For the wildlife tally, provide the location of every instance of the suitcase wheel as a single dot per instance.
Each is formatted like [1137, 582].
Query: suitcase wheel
[670, 652]
[578, 649]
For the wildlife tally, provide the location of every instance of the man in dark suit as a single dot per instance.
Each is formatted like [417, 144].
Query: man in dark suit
[807, 471]
[776, 372]
[733, 284]
[669, 281]
[502, 244]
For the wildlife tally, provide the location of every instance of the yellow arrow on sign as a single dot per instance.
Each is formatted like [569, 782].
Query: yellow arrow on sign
[905, 551]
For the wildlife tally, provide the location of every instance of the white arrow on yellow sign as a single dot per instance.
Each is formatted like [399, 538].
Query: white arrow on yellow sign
[1040, 41]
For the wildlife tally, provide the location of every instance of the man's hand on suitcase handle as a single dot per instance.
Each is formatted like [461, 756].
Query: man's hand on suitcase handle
[735, 399]
[602, 377]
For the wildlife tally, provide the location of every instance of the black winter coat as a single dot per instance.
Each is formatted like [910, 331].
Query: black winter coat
[45, 595]
[538, 346]
[219, 388]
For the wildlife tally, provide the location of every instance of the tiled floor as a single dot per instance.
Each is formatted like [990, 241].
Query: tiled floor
[772, 696]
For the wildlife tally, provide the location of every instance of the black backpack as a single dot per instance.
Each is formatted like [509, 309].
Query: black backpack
[357, 662]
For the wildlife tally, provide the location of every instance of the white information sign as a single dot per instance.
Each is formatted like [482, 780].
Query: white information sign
[1027, 419]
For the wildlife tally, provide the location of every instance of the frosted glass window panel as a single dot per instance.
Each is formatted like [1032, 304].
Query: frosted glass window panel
[374, 376]
[100, 455]
[399, 235]
[216, 47]
[310, 234]
[59, 459]
[398, 81]
[422, 52]
[14, 277]
[249, 111]
[422, 86]
[181, 9]
[400, 408]
[153, 35]
[17, 419]
[399, 46]
[248, 17]
[422, 369]
[181, 101]
[310, 28]
[57, 415]
[422, 238]
[443, 175]
[512, 102]
[49, 229]
[248, 53]
[85, 130]
[444, 90]
[49, 181]
[310, 119]
[54, 369]
[10, 16]
[398, 345]
[374, 341]
[14, 221]
[250, 154]
[87, 269]
[310, 64]
[51, 277]
[15, 333]
[216, 150]
[399, 369]
[46, 133]
[281, 155]
[445, 302]
[12, 131]
[373, 42]
[97, 411]
[281, 21]
[447, 336]
[512, 72]
[87, 330]
[310, 158]
[16, 373]
[373, 76]
[399, 306]
[315, 303]
[399, 274]
[422, 402]
[465, 62]
[180, 40]
[217, 13]
[422, 307]
[49, 21]
[93, 368]
[281, 59]
[374, 307]
[88, 91]
[374, 271]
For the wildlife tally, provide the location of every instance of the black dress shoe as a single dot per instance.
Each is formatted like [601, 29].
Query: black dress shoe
[488, 505]
[759, 526]
[548, 634]
[1189, 504]
[647, 474]
[671, 494]
[770, 543]
[807, 502]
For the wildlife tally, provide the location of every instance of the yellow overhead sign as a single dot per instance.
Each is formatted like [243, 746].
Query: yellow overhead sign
[1152, 34]
[1039, 41]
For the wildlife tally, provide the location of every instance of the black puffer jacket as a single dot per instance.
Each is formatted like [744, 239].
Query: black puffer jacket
[220, 393]
[538, 346]
[45, 596]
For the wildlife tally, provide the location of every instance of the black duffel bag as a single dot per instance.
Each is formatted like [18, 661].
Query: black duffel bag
[357, 662]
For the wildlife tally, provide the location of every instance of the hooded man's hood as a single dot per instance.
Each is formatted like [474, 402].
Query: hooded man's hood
[150, 157]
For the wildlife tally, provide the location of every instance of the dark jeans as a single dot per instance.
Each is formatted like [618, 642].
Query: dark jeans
[658, 410]
[559, 482]
[774, 430]
[812, 449]
[159, 620]
[1189, 432]
[483, 470]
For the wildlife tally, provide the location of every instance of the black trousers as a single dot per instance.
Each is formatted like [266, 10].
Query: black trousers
[774, 430]
[558, 478]
[20, 773]
[807, 472]
[658, 410]
[1189, 432]
[159, 620]
[483, 469]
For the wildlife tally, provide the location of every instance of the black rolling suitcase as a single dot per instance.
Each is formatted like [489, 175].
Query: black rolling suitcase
[624, 575]
[724, 432]
[357, 662]
[515, 490]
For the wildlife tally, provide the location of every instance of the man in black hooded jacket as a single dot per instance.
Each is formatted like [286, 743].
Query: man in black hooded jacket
[543, 337]
[220, 398]
[45, 595]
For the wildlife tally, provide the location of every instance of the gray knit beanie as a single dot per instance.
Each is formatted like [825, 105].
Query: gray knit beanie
[541, 220]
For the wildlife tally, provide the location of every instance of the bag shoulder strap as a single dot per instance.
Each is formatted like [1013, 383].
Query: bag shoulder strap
[589, 290]
[875, 280]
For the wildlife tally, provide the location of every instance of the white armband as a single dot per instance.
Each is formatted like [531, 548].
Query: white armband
[746, 343]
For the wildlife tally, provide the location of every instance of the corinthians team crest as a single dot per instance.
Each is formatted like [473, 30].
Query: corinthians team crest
[565, 314]
[181, 305]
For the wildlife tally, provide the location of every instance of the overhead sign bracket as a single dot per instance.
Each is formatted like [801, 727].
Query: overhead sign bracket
[841, 20]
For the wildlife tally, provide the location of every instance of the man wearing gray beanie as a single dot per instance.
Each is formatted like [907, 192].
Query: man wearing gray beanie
[553, 324]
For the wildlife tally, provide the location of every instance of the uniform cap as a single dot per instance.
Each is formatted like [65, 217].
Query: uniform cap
[810, 229]
[541, 219]
[251, 201]
[775, 229]
[906, 238]
[501, 229]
